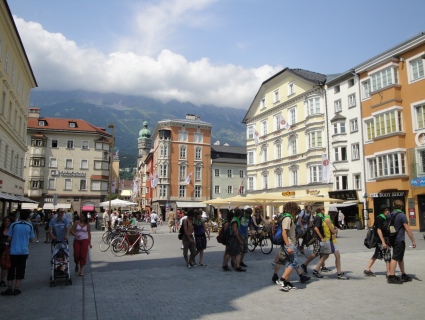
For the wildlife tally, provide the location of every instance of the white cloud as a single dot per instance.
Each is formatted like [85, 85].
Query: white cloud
[59, 64]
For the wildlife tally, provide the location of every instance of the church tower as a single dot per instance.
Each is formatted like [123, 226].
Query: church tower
[144, 142]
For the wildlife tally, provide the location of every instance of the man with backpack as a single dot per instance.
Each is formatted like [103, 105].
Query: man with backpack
[382, 248]
[398, 243]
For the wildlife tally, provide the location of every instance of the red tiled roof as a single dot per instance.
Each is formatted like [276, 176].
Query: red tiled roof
[63, 124]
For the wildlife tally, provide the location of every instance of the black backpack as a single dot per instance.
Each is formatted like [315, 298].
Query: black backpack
[309, 236]
[371, 238]
[181, 231]
[224, 235]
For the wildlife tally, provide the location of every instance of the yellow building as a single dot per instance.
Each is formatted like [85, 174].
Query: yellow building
[16, 82]
[286, 135]
[393, 111]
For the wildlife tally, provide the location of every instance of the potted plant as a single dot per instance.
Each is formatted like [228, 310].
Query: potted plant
[358, 222]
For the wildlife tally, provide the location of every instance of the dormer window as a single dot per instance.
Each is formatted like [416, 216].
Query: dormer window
[41, 123]
[72, 124]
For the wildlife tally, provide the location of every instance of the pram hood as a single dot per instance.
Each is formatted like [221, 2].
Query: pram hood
[60, 247]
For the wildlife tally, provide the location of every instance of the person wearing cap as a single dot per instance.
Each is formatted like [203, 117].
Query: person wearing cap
[382, 248]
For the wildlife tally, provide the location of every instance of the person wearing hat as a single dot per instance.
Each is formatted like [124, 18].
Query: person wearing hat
[382, 248]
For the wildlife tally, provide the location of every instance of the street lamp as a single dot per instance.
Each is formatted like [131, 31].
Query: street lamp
[366, 210]
[111, 161]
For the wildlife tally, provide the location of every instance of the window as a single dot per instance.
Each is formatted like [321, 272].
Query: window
[384, 78]
[339, 127]
[6, 156]
[292, 116]
[85, 145]
[37, 143]
[241, 190]
[99, 146]
[198, 137]
[366, 89]
[338, 105]
[163, 150]
[337, 89]
[183, 136]
[276, 120]
[72, 124]
[198, 173]
[314, 139]
[36, 184]
[354, 126]
[182, 191]
[263, 103]
[69, 144]
[387, 165]
[53, 163]
[84, 164]
[264, 128]
[340, 153]
[182, 152]
[313, 105]
[163, 168]
[216, 189]
[216, 172]
[278, 149]
[35, 162]
[420, 116]
[341, 183]
[68, 185]
[350, 82]
[41, 123]
[352, 100]
[95, 185]
[370, 129]
[198, 191]
[250, 132]
[250, 157]
[229, 173]
[250, 183]
[355, 151]
[292, 146]
[264, 154]
[68, 164]
[162, 190]
[101, 165]
[198, 153]
[294, 177]
[357, 181]
[83, 184]
[51, 184]
[182, 173]
[315, 173]
[291, 88]
[265, 182]
[278, 177]
[417, 69]
[229, 189]
[241, 174]
[384, 123]
[276, 96]
[3, 103]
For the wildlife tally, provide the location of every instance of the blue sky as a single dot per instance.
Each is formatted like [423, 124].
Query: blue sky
[203, 51]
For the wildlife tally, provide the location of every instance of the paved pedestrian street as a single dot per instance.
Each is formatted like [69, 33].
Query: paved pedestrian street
[159, 286]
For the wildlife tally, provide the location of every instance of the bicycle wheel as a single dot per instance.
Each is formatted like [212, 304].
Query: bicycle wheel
[251, 243]
[104, 245]
[148, 241]
[266, 245]
[119, 247]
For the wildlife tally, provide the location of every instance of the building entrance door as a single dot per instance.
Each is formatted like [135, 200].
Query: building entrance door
[421, 209]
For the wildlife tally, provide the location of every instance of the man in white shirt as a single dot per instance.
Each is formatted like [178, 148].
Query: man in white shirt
[105, 219]
[154, 221]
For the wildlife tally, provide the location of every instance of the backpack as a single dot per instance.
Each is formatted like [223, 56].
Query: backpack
[389, 227]
[224, 235]
[308, 238]
[181, 232]
[371, 238]
[277, 236]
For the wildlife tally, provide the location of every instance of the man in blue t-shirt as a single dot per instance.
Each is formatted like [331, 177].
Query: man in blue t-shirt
[398, 244]
[59, 227]
[20, 234]
[243, 232]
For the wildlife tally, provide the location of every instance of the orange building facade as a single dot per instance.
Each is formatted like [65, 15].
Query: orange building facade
[392, 88]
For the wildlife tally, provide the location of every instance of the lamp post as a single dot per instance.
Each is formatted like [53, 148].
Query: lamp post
[111, 162]
[366, 210]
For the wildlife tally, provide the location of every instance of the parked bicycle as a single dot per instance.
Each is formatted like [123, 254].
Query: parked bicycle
[120, 245]
[264, 240]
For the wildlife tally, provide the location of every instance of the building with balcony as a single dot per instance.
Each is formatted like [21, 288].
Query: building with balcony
[16, 81]
[393, 111]
[67, 157]
[180, 164]
[286, 135]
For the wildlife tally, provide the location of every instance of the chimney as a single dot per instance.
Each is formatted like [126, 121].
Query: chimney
[34, 113]
[192, 117]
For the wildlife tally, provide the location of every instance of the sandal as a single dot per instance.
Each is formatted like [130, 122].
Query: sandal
[202, 264]
[2, 284]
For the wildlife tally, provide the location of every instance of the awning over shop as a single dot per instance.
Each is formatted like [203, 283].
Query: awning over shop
[29, 206]
[9, 197]
[345, 204]
[87, 208]
[187, 204]
[49, 206]
[125, 193]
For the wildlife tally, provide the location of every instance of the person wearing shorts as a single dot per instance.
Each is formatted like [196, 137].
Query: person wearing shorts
[20, 234]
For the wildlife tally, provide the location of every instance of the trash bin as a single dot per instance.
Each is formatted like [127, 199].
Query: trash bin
[98, 223]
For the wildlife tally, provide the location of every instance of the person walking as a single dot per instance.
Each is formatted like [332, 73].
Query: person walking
[20, 234]
[171, 217]
[4, 242]
[225, 226]
[188, 240]
[59, 227]
[154, 221]
[243, 232]
[106, 219]
[236, 242]
[35, 221]
[82, 241]
[201, 235]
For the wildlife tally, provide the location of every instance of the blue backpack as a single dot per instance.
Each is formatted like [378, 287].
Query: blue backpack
[277, 237]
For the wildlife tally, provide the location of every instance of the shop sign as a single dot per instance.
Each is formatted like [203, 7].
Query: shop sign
[388, 194]
[343, 195]
[418, 182]
[288, 193]
[68, 173]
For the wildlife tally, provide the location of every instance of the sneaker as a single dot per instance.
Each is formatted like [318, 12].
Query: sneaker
[36, 241]
[243, 265]
[240, 269]
[17, 292]
[290, 286]
[317, 274]
[304, 278]
[193, 265]
[275, 278]
[189, 266]
[7, 292]
[202, 264]
[280, 282]
[342, 276]
[394, 280]
[405, 278]
[226, 268]
[324, 269]
[369, 273]
[304, 268]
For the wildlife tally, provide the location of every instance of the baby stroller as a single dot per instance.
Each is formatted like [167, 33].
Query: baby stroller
[60, 262]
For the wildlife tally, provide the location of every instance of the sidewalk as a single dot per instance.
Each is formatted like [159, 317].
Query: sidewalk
[159, 286]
